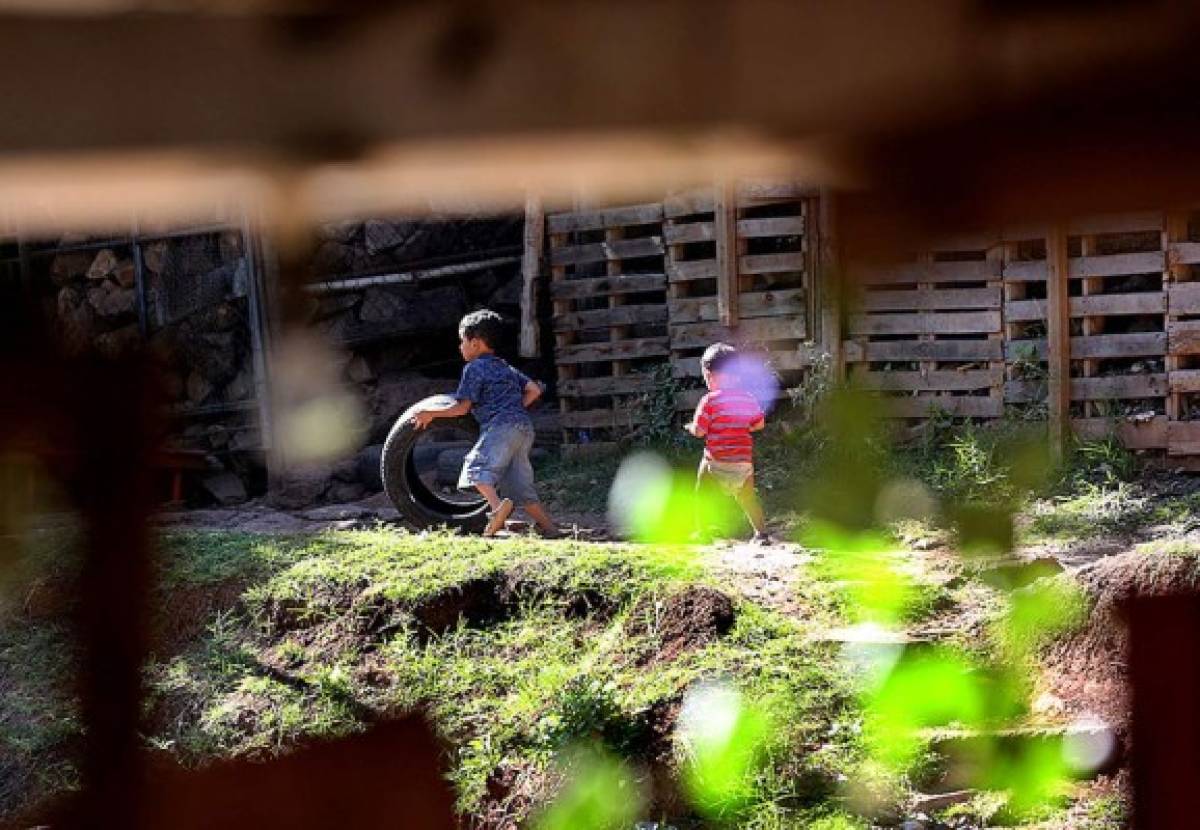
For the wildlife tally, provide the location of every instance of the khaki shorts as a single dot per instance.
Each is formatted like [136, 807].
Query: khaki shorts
[731, 476]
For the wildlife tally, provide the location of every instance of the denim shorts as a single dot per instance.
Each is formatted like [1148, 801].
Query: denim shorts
[501, 458]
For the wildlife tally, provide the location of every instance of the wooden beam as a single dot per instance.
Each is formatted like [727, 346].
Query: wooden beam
[725, 222]
[827, 282]
[1058, 321]
[531, 269]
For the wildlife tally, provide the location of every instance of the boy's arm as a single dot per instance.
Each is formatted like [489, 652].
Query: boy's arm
[700, 420]
[469, 388]
[759, 425]
[533, 391]
[423, 417]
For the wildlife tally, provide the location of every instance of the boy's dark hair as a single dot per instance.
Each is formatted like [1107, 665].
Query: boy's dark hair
[717, 356]
[485, 324]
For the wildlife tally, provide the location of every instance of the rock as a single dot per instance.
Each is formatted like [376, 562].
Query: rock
[218, 436]
[381, 305]
[381, 236]
[76, 321]
[104, 264]
[335, 513]
[225, 487]
[114, 344]
[407, 310]
[359, 370]
[392, 396]
[341, 492]
[334, 258]
[125, 274]
[367, 463]
[154, 256]
[68, 267]
[331, 305]
[346, 470]
[299, 489]
[340, 231]
[241, 388]
[174, 386]
[449, 465]
[198, 388]
[230, 245]
[246, 439]
[507, 294]
[110, 300]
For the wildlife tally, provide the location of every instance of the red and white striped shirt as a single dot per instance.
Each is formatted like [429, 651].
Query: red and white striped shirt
[725, 416]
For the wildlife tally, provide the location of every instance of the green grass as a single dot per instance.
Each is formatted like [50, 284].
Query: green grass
[511, 693]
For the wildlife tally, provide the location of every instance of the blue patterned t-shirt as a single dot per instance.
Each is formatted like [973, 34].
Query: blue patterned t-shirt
[495, 390]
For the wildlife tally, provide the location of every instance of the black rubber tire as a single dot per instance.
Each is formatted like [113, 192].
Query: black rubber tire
[416, 502]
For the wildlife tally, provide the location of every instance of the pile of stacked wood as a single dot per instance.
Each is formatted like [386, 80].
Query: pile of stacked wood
[96, 301]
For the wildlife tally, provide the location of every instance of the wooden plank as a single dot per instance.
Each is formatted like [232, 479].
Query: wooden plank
[594, 220]
[1114, 265]
[688, 203]
[960, 322]
[1183, 438]
[1183, 298]
[762, 191]
[935, 381]
[903, 351]
[686, 232]
[1150, 344]
[947, 299]
[700, 269]
[620, 350]
[590, 387]
[962, 407]
[792, 360]
[772, 263]
[751, 305]
[1142, 435]
[1183, 337]
[916, 272]
[1183, 253]
[534, 238]
[698, 335]
[627, 315]
[601, 418]
[1093, 305]
[725, 225]
[1058, 351]
[625, 384]
[1029, 270]
[1115, 223]
[1184, 380]
[1122, 387]
[774, 226]
[589, 450]
[646, 246]
[574, 289]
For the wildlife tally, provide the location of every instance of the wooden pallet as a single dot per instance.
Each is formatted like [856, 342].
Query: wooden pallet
[608, 290]
[927, 334]
[772, 225]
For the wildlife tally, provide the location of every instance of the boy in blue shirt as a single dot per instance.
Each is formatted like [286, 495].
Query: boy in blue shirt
[498, 396]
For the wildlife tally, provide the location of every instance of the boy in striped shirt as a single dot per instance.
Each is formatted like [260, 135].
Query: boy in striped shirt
[725, 419]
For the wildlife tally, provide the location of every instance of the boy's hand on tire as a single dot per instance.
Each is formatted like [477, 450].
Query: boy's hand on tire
[422, 419]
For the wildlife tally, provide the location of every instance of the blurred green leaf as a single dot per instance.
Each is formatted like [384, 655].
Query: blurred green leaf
[723, 737]
[600, 794]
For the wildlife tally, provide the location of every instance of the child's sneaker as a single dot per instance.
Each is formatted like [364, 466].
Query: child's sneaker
[762, 538]
[498, 517]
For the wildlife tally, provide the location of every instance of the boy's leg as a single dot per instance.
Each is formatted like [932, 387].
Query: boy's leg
[747, 498]
[518, 484]
[483, 469]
